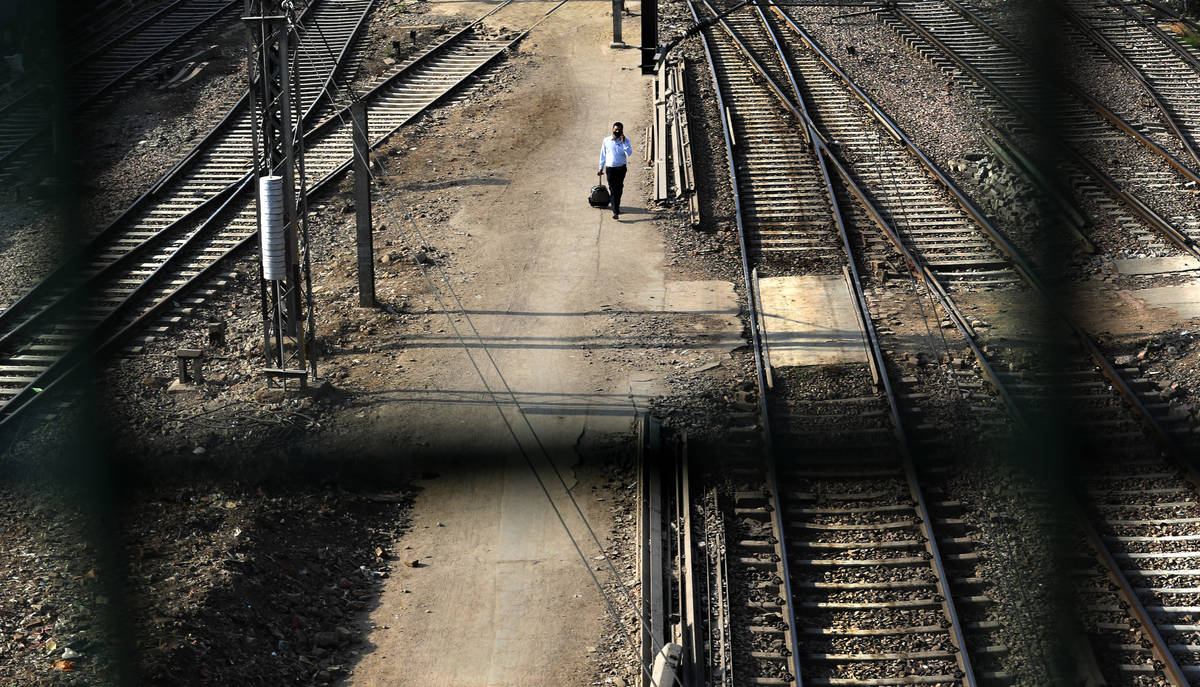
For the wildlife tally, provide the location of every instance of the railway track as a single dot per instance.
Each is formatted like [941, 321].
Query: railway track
[101, 23]
[785, 208]
[876, 598]
[1144, 510]
[103, 69]
[176, 237]
[1131, 443]
[1164, 68]
[207, 177]
[765, 626]
[98, 70]
[1099, 148]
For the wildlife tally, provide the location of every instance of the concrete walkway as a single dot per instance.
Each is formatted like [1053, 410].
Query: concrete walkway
[502, 597]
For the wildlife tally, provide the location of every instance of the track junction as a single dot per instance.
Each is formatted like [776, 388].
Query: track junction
[835, 547]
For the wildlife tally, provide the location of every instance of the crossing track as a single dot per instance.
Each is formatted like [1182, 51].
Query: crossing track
[133, 275]
[1150, 181]
[1165, 69]
[24, 129]
[1111, 406]
[784, 208]
[1124, 421]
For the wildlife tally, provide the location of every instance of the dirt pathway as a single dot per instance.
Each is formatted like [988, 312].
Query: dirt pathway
[500, 596]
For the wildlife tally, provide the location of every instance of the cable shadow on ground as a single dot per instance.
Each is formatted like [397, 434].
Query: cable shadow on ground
[731, 312]
[530, 402]
[717, 343]
[451, 183]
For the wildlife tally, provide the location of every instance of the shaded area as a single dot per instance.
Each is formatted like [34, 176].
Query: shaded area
[224, 583]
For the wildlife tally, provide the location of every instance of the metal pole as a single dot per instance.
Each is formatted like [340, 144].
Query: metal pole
[295, 318]
[254, 37]
[271, 24]
[362, 205]
[618, 8]
[649, 34]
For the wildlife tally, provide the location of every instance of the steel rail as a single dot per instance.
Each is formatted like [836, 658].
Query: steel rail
[967, 205]
[737, 214]
[1153, 28]
[821, 151]
[204, 22]
[756, 337]
[1158, 646]
[963, 657]
[115, 38]
[200, 147]
[942, 577]
[1108, 370]
[101, 87]
[65, 301]
[120, 25]
[78, 354]
[818, 145]
[1017, 413]
[1139, 207]
[72, 366]
[65, 274]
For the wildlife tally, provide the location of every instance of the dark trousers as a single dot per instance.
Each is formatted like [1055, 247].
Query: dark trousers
[616, 183]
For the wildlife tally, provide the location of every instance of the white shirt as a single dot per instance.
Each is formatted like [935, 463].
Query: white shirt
[614, 154]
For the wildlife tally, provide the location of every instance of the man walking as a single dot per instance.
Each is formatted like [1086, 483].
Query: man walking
[614, 156]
